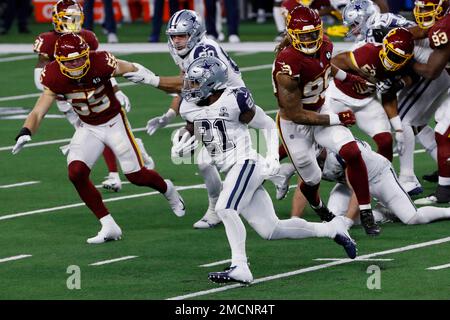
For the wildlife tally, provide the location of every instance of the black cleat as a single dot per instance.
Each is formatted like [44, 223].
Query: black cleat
[324, 213]
[368, 222]
[232, 274]
[431, 177]
[442, 194]
[348, 243]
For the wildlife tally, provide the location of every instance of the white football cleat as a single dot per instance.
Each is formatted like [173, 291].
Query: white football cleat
[175, 200]
[209, 220]
[112, 38]
[148, 161]
[238, 273]
[112, 182]
[109, 233]
[234, 38]
[431, 199]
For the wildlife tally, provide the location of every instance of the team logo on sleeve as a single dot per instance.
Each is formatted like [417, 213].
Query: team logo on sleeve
[328, 55]
[286, 69]
[96, 80]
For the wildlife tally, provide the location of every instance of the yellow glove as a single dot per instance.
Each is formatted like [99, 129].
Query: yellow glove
[337, 31]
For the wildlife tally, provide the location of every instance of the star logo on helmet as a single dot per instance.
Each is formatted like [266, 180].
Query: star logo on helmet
[358, 7]
[192, 19]
[206, 65]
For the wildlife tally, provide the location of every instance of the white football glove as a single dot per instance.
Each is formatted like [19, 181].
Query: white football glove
[271, 167]
[142, 75]
[400, 139]
[183, 145]
[384, 86]
[21, 141]
[124, 101]
[160, 122]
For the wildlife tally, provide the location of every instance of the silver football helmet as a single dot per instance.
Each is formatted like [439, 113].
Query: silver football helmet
[356, 13]
[203, 77]
[185, 22]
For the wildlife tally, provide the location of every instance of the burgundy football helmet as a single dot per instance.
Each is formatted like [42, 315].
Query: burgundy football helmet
[398, 49]
[427, 12]
[72, 54]
[67, 16]
[304, 28]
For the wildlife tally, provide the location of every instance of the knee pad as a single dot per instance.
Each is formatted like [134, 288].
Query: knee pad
[78, 171]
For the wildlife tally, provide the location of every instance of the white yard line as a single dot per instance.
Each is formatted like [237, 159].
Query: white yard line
[100, 263]
[58, 141]
[215, 263]
[7, 186]
[22, 256]
[357, 259]
[80, 204]
[314, 268]
[18, 58]
[444, 266]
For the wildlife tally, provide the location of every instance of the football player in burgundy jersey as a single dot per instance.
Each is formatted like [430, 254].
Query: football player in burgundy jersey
[67, 16]
[433, 16]
[83, 78]
[301, 72]
[375, 62]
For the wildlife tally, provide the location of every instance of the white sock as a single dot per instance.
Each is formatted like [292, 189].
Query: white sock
[297, 228]
[108, 221]
[114, 175]
[279, 18]
[407, 158]
[427, 140]
[236, 234]
[444, 181]
[212, 203]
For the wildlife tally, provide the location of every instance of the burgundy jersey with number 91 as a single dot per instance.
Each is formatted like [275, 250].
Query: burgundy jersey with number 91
[92, 97]
[312, 72]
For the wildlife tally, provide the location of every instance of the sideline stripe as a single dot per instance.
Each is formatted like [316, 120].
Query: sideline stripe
[18, 58]
[22, 256]
[100, 263]
[80, 204]
[444, 266]
[18, 184]
[215, 263]
[314, 268]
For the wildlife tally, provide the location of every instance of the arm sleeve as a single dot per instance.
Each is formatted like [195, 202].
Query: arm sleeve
[262, 121]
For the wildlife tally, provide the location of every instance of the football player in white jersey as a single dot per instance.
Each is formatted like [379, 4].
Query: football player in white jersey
[384, 186]
[187, 41]
[219, 116]
[418, 102]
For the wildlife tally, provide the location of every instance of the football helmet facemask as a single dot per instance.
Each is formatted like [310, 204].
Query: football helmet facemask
[427, 12]
[203, 77]
[72, 55]
[304, 27]
[398, 49]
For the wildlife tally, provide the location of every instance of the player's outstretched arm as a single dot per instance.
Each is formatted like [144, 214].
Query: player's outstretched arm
[163, 120]
[34, 119]
[436, 63]
[137, 73]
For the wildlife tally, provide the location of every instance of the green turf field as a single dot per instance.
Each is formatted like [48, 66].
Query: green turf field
[47, 221]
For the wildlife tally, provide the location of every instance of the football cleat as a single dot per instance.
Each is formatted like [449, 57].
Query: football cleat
[343, 238]
[109, 233]
[442, 195]
[240, 274]
[112, 182]
[411, 185]
[324, 213]
[368, 222]
[209, 220]
[431, 177]
[148, 161]
[175, 200]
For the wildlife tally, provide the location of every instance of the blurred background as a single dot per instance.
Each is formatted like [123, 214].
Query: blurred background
[144, 20]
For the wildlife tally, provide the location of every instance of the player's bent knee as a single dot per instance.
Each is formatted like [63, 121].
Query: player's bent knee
[350, 151]
[78, 171]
